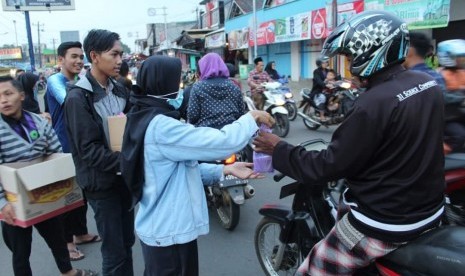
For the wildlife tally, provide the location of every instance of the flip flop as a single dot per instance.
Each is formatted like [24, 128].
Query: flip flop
[95, 238]
[76, 251]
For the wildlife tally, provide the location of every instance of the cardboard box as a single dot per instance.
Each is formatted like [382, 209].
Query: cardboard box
[116, 126]
[41, 188]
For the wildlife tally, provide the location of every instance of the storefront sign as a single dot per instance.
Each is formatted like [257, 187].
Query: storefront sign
[347, 10]
[293, 28]
[318, 26]
[10, 53]
[419, 14]
[215, 40]
[265, 34]
[238, 39]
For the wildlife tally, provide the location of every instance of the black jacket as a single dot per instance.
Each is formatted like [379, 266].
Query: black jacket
[319, 76]
[96, 164]
[389, 148]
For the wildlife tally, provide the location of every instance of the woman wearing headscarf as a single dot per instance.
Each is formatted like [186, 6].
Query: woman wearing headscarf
[270, 68]
[160, 167]
[215, 100]
[28, 82]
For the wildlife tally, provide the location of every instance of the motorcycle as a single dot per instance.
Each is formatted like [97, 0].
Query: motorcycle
[227, 195]
[284, 237]
[346, 95]
[290, 104]
[274, 105]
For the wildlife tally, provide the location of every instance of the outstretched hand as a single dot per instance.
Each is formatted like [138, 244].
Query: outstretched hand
[242, 170]
[262, 117]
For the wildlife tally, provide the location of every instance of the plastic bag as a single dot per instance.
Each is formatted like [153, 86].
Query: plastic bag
[263, 163]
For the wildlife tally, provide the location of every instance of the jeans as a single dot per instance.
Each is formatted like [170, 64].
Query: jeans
[19, 240]
[115, 225]
[174, 260]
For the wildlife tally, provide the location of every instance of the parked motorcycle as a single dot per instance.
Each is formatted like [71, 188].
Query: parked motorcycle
[346, 94]
[284, 237]
[227, 195]
[274, 105]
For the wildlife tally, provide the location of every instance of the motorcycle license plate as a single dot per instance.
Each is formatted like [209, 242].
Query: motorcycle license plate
[231, 180]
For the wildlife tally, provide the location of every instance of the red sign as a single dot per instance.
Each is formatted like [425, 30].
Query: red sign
[319, 27]
[347, 10]
[265, 34]
[10, 53]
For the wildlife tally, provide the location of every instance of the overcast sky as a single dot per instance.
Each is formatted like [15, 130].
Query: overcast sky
[126, 17]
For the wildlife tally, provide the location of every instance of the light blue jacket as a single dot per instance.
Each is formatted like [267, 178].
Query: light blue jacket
[173, 208]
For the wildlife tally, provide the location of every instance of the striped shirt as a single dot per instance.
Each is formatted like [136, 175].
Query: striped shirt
[14, 148]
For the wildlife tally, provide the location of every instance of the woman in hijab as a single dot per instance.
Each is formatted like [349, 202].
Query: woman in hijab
[159, 165]
[215, 100]
[270, 68]
[28, 82]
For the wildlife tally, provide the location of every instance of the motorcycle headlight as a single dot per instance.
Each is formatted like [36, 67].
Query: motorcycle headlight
[280, 102]
[288, 95]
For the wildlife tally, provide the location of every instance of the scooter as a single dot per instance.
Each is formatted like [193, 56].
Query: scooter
[346, 94]
[227, 195]
[274, 105]
[284, 237]
[290, 104]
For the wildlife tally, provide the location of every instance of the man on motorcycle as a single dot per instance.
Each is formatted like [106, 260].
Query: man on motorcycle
[255, 80]
[415, 60]
[389, 148]
[451, 55]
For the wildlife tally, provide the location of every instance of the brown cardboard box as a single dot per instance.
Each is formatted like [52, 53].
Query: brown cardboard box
[41, 188]
[116, 126]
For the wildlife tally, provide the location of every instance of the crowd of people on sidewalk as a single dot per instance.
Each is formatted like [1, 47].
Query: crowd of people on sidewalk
[157, 168]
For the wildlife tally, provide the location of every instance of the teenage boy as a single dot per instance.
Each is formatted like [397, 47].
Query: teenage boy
[87, 106]
[25, 136]
[70, 56]
[255, 80]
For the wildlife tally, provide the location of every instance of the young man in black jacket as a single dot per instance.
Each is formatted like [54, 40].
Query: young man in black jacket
[89, 103]
[389, 148]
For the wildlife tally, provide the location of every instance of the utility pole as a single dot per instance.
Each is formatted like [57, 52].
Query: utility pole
[29, 40]
[166, 28]
[54, 50]
[38, 40]
[254, 30]
[16, 33]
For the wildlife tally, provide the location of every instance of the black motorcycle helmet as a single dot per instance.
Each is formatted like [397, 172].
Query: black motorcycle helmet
[321, 60]
[372, 40]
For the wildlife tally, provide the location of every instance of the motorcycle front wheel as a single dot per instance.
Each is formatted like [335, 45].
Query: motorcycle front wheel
[228, 211]
[292, 109]
[310, 111]
[282, 125]
[268, 248]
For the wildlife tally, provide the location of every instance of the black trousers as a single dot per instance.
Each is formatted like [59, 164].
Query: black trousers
[174, 260]
[75, 222]
[19, 240]
[115, 225]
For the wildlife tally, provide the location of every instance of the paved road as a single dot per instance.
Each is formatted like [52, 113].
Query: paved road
[220, 252]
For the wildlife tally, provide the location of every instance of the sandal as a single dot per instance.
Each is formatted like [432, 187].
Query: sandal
[95, 238]
[85, 272]
[78, 254]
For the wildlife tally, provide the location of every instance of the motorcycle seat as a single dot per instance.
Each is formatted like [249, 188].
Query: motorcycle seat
[438, 252]
[454, 161]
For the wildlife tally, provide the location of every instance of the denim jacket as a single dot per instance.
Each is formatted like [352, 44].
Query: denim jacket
[173, 208]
